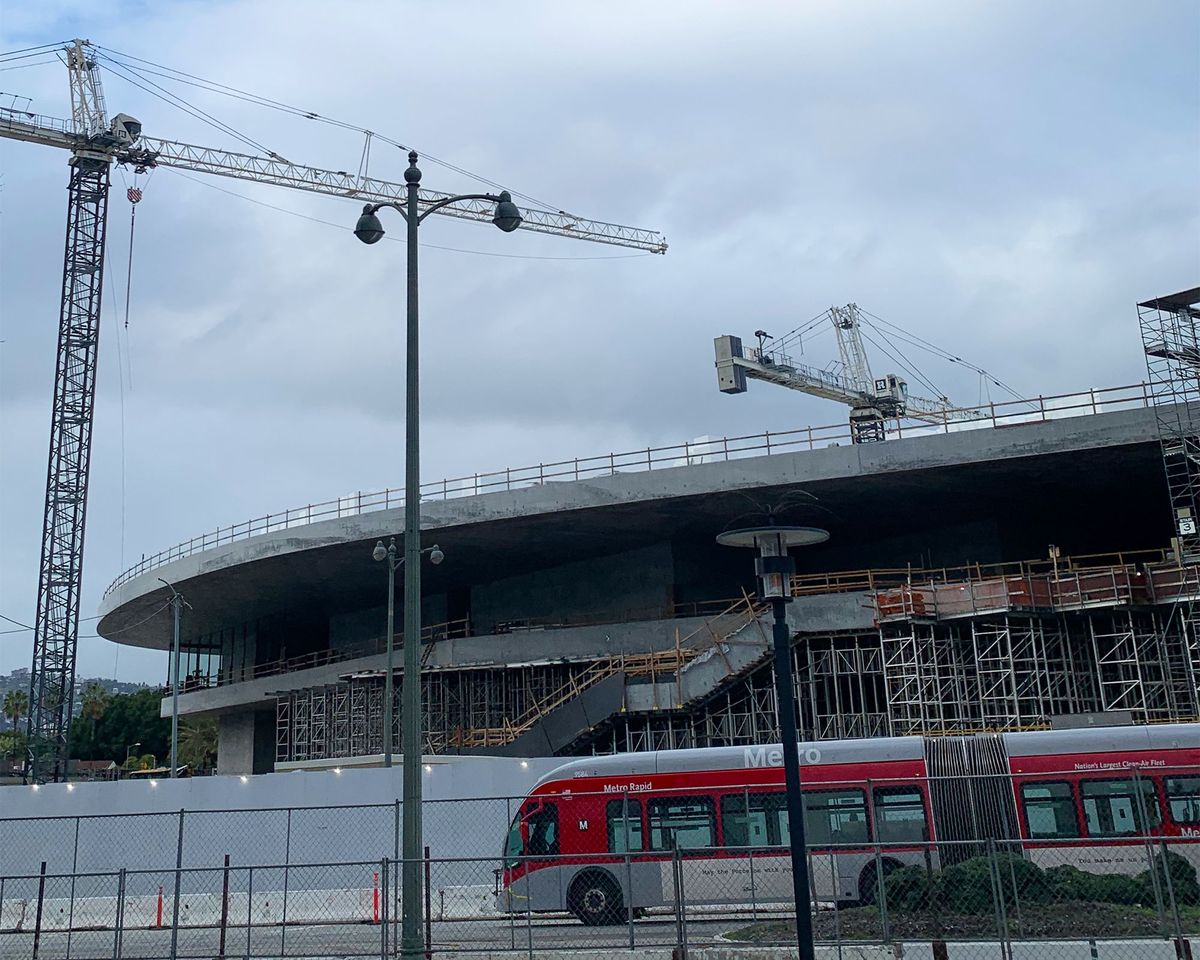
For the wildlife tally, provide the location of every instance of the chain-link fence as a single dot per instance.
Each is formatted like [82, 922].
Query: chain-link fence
[1136, 899]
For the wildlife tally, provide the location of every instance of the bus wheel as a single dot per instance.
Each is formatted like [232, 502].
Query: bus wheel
[595, 898]
[868, 881]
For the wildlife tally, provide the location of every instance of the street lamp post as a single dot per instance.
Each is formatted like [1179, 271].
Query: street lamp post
[369, 230]
[177, 605]
[380, 553]
[774, 568]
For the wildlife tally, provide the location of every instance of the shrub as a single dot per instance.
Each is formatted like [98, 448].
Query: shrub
[909, 888]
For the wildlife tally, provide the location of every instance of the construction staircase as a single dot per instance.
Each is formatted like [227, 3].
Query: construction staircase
[721, 649]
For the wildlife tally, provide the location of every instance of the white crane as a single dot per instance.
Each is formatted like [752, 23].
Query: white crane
[872, 400]
[95, 142]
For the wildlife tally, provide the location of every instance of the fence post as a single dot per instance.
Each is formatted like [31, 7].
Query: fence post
[528, 910]
[680, 902]
[287, 860]
[428, 914]
[881, 895]
[119, 919]
[1182, 947]
[249, 904]
[383, 909]
[224, 906]
[628, 885]
[71, 903]
[178, 879]
[997, 884]
[37, 922]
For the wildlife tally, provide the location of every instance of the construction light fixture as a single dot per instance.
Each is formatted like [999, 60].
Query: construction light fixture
[507, 217]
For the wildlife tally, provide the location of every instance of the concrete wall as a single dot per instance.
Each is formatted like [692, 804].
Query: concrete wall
[335, 817]
[246, 742]
[633, 583]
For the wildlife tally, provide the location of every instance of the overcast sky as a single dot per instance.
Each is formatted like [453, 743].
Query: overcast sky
[1004, 179]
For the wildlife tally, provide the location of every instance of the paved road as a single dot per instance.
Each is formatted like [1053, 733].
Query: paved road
[356, 940]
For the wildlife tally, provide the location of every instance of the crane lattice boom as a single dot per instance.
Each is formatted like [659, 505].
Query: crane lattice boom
[96, 142]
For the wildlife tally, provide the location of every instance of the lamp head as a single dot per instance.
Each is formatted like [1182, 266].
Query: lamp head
[507, 217]
[379, 553]
[368, 229]
[435, 555]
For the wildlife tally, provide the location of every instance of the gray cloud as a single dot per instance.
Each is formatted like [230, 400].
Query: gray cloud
[1005, 180]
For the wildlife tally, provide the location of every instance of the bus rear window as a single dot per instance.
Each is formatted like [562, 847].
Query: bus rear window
[1049, 810]
[624, 819]
[900, 815]
[1112, 807]
[686, 822]
[1183, 799]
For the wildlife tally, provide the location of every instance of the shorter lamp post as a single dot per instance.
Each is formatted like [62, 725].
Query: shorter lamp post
[774, 568]
[129, 752]
[392, 556]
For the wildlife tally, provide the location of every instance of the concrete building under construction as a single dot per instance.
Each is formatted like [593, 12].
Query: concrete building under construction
[1033, 565]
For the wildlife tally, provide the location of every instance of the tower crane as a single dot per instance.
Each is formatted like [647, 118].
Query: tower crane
[872, 400]
[95, 142]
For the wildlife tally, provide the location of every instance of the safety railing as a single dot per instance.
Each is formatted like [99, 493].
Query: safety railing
[995, 415]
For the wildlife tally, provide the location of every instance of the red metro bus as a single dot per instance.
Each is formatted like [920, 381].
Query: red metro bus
[596, 836]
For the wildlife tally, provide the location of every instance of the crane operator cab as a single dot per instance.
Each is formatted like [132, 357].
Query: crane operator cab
[891, 394]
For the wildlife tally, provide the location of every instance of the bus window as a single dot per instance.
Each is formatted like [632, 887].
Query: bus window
[624, 825]
[543, 831]
[900, 815]
[512, 845]
[688, 822]
[835, 816]
[1049, 810]
[1183, 799]
[1112, 809]
[747, 831]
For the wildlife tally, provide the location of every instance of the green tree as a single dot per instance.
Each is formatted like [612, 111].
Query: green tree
[16, 705]
[12, 744]
[198, 743]
[123, 720]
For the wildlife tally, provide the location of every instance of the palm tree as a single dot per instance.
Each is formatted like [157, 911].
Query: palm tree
[16, 705]
[95, 699]
[198, 743]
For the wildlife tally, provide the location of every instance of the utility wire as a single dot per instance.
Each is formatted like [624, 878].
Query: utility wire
[176, 101]
[212, 86]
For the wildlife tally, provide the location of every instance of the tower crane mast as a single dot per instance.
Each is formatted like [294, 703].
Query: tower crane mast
[872, 400]
[95, 143]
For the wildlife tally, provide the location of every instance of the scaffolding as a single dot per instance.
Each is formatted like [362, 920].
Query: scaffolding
[1172, 347]
[999, 649]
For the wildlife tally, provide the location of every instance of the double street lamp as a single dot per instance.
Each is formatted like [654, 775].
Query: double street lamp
[774, 568]
[391, 555]
[369, 230]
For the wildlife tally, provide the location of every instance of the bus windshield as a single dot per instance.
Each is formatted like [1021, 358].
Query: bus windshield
[512, 845]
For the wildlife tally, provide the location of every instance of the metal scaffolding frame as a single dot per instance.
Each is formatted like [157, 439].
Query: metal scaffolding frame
[1096, 644]
[1172, 346]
